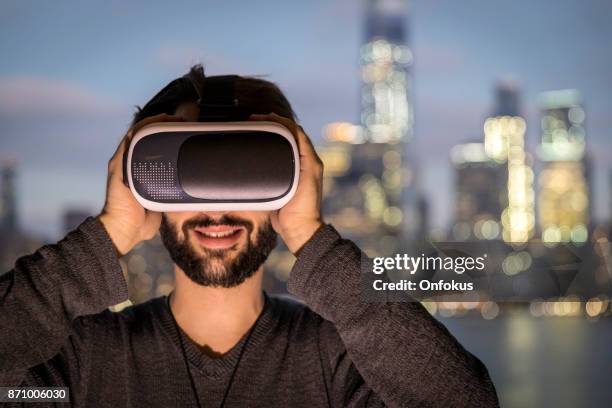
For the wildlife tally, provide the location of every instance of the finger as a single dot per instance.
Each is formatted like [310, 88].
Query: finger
[305, 144]
[115, 162]
[151, 224]
[309, 160]
[274, 220]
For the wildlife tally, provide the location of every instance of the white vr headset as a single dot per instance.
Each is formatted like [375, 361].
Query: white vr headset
[213, 166]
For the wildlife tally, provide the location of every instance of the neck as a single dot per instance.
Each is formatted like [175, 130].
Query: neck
[216, 318]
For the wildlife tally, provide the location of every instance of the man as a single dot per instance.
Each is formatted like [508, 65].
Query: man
[218, 340]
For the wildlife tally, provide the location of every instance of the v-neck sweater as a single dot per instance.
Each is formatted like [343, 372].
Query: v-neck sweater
[326, 347]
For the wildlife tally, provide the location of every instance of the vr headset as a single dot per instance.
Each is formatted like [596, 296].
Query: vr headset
[220, 163]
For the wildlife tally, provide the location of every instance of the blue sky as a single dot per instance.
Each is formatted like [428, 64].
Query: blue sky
[72, 72]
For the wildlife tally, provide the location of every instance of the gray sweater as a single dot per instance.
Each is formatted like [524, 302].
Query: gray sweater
[333, 350]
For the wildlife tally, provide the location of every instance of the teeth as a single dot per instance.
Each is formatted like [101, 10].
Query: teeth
[218, 234]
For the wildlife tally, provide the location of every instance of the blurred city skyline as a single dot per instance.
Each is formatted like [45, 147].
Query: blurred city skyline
[68, 87]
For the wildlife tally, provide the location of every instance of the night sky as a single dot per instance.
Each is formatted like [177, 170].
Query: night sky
[71, 74]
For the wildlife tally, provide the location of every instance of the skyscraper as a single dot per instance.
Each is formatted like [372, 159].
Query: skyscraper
[564, 194]
[387, 115]
[479, 193]
[369, 187]
[507, 99]
[8, 200]
[386, 109]
[505, 144]
[494, 179]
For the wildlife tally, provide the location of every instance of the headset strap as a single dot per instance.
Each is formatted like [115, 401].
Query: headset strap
[217, 100]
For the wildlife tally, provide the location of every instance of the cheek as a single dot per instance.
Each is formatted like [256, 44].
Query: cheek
[259, 224]
[177, 219]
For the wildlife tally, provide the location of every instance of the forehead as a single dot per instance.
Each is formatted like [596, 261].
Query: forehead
[189, 111]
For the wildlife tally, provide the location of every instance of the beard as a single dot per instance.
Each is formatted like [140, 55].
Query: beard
[218, 268]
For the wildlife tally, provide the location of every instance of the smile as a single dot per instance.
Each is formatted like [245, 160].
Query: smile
[219, 236]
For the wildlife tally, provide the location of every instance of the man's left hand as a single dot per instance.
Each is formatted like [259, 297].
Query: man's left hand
[301, 217]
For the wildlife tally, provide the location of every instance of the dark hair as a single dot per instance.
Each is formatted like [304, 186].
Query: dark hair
[256, 96]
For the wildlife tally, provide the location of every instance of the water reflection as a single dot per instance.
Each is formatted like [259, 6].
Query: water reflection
[542, 362]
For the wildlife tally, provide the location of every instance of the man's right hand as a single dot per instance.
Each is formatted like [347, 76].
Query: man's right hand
[125, 220]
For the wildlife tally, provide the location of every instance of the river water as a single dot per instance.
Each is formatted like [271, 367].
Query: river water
[542, 362]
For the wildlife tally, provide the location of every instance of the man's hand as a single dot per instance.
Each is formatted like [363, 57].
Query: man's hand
[125, 220]
[301, 217]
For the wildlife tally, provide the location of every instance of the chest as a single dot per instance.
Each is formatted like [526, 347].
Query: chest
[264, 377]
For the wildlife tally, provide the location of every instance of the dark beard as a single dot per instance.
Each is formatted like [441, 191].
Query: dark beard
[198, 268]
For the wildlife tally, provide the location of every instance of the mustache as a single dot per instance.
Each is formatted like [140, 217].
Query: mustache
[207, 221]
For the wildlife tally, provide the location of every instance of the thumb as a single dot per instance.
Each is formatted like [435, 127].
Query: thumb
[275, 221]
[151, 224]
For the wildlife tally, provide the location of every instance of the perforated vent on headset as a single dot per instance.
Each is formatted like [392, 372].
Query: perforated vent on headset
[159, 179]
